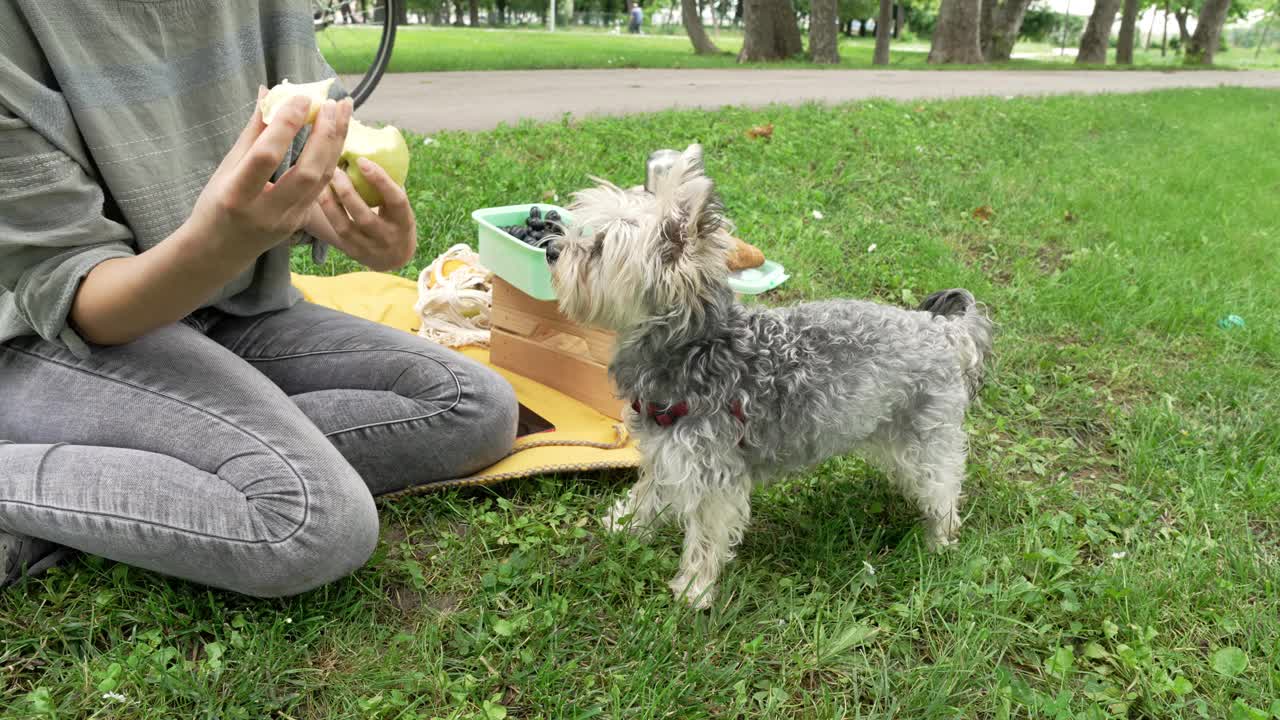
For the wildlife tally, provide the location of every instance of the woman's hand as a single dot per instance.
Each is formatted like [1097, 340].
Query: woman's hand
[240, 206]
[383, 240]
[239, 215]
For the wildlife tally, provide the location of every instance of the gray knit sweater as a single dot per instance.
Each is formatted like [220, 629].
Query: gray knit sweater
[113, 116]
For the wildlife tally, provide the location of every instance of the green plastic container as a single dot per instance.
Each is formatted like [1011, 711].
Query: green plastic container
[526, 268]
[758, 280]
[523, 266]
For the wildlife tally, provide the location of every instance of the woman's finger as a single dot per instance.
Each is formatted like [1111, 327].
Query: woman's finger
[334, 213]
[395, 204]
[250, 133]
[268, 150]
[302, 184]
[351, 201]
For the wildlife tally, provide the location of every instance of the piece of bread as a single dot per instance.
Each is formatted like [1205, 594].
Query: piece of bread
[744, 256]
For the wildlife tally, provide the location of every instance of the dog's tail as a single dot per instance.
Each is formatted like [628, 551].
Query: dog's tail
[974, 341]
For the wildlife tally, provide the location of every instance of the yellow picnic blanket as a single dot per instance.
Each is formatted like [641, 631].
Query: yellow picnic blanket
[582, 439]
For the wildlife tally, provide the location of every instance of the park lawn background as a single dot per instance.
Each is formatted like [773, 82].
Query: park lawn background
[1121, 552]
[423, 48]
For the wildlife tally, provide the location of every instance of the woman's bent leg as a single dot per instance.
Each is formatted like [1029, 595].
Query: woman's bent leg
[174, 455]
[402, 410]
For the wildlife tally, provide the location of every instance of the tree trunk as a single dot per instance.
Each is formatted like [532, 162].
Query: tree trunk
[955, 39]
[1181, 16]
[474, 13]
[402, 14]
[862, 27]
[436, 16]
[702, 44]
[1128, 23]
[1204, 43]
[1164, 38]
[1262, 41]
[987, 22]
[1008, 26]
[1097, 34]
[457, 13]
[898, 13]
[884, 31]
[1005, 22]
[771, 31]
[1151, 28]
[823, 32]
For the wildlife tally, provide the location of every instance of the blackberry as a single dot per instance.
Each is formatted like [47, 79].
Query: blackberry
[553, 216]
[536, 224]
[534, 212]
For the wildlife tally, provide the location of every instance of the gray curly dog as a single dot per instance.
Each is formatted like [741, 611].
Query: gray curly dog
[726, 397]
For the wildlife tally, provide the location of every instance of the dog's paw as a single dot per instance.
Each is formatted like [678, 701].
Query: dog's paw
[697, 594]
[619, 518]
[941, 531]
[937, 542]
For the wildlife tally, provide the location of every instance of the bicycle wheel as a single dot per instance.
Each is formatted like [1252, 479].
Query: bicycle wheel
[356, 37]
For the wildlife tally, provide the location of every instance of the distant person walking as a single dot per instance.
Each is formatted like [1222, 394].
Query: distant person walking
[637, 19]
[346, 13]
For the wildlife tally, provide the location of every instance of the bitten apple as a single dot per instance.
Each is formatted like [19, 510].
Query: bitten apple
[279, 95]
[384, 146]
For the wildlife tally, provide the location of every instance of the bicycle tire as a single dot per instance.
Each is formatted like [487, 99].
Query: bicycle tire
[381, 59]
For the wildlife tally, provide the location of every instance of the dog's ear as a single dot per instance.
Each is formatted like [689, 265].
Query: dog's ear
[691, 211]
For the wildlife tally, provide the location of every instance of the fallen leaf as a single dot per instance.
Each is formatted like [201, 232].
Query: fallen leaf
[1229, 661]
[1068, 217]
[984, 213]
[761, 131]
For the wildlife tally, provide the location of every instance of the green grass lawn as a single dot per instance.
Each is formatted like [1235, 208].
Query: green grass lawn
[420, 48]
[1121, 553]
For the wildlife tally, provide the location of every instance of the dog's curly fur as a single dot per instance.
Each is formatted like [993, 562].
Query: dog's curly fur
[765, 391]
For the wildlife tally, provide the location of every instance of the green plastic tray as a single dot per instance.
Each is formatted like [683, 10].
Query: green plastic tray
[525, 267]
[758, 280]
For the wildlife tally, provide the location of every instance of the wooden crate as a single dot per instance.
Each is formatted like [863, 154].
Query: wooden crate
[531, 337]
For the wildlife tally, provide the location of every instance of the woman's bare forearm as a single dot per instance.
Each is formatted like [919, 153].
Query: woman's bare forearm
[123, 299]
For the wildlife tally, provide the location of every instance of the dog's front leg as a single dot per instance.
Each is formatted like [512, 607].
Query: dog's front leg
[712, 529]
[639, 511]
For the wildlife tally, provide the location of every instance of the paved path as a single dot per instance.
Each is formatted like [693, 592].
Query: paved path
[429, 102]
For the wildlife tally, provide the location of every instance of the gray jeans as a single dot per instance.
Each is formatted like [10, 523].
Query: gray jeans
[241, 453]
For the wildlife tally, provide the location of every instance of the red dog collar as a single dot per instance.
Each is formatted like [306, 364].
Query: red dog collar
[667, 416]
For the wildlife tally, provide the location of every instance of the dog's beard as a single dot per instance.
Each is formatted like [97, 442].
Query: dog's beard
[594, 286]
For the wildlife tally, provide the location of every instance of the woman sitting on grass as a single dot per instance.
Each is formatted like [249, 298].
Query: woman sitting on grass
[166, 399]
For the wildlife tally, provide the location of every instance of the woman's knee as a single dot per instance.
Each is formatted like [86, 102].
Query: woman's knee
[495, 417]
[335, 537]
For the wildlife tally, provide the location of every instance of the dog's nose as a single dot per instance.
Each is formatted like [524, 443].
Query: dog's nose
[553, 253]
